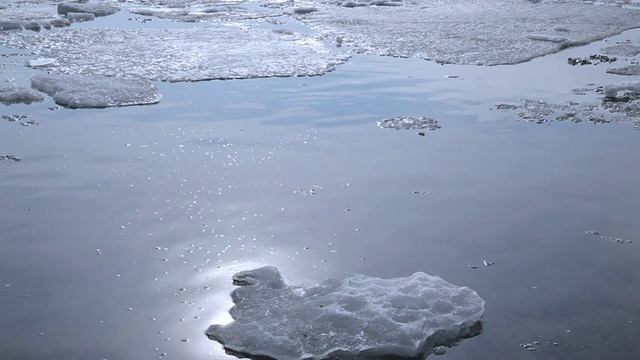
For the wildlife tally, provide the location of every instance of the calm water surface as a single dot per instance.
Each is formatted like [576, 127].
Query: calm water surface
[121, 228]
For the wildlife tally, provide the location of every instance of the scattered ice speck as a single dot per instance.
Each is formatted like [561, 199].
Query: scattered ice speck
[93, 91]
[89, 8]
[556, 344]
[473, 267]
[304, 10]
[592, 232]
[129, 309]
[11, 93]
[487, 263]
[347, 315]
[409, 123]
[181, 54]
[505, 106]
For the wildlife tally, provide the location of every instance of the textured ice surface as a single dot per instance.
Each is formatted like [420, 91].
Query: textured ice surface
[91, 91]
[205, 53]
[198, 11]
[483, 32]
[409, 123]
[11, 93]
[347, 317]
[631, 70]
[612, 89]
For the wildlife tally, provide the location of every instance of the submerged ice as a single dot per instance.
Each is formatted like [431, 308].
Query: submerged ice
[90, 91]
[347, 317]
[205, 53]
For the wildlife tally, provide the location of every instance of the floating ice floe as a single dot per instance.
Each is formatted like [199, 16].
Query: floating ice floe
[91, 91]
[42, 62]
[11, 93]
[612, 89]
[205, 53]
[199, 12]
[479, 32]
[631, 70]
[97, 9]
[409, 123]
[347, 317]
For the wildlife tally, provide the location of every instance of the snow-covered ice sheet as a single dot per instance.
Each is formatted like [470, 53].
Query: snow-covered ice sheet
[480, 32]
[205, 53]
[349, 316]
[92, 91]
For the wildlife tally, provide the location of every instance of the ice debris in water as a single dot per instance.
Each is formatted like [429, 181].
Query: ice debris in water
[92, 91]
[205, 53]
[11, 93]
[347, 317]
[199, 11]
[409, 123]
[631, 70]
[479, 32]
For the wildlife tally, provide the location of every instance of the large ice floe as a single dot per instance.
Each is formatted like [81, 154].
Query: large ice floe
[91, 91]
[12, 93]
[479, 32]
[204, 53]
[347, 317]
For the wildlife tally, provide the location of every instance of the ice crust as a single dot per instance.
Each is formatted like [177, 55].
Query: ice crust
[347, 317]
[479, 32]
[90, 91]
[11, 93]
[205, 53]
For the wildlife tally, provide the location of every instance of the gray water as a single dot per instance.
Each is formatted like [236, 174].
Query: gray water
[120, 228]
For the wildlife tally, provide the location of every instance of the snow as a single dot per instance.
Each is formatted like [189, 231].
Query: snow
[11, 93]
[90, 8]
[476, 32]
[612, 89]
[347, 316]
[205, 53]
[90, 91]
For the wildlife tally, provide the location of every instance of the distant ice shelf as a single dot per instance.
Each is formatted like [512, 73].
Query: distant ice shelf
[351, 316]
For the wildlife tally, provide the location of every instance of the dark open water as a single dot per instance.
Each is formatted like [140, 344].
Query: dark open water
[121, 228]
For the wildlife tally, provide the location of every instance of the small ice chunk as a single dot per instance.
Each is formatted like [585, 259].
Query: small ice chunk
[611, 90]
[42, 62]
[32, 25]
[550, 38]
[93, 91]
[349, 316]
[622, 50]
[631, 70]
[351, 4]
[95, 9]
[304, 10]
[60, 22]
[78, 17]
[409, 123]
[10, 24]
[11, 93]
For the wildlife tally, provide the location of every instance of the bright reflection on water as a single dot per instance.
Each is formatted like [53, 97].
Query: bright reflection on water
[121, 228]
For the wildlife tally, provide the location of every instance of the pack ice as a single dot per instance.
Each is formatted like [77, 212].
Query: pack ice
[347, 317]
[206, 53]
[91, 91]
[477, 32]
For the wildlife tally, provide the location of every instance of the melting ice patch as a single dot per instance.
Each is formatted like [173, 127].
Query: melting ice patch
[199, 11]
[347, 317]
[206, 53]
[481, 32]
[409, 123]
[90, 91]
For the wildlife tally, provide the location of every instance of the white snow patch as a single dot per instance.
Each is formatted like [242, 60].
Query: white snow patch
[87, 91]
[347, 316]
